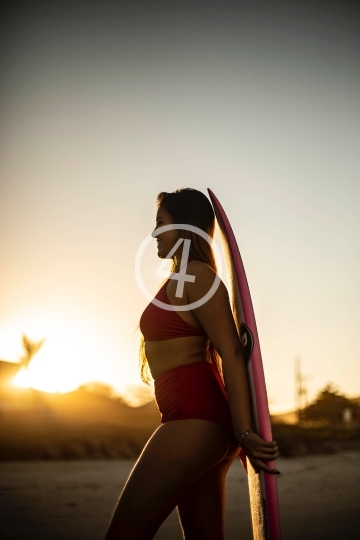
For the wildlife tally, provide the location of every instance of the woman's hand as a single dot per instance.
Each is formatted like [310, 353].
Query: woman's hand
[258, 451]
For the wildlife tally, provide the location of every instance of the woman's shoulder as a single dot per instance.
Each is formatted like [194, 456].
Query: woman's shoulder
[201, 267]
[203, 273]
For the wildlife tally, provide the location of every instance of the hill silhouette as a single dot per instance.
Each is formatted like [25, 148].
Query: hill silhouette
[77, 424]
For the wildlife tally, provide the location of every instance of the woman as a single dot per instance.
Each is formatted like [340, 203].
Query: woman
[196, 360]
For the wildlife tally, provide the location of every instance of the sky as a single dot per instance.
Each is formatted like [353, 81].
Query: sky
[106, 104]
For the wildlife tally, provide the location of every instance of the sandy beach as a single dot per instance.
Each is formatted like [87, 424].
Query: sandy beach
[73, 500]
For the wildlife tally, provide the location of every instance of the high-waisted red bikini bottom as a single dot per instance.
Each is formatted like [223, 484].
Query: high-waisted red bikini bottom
[193, 391]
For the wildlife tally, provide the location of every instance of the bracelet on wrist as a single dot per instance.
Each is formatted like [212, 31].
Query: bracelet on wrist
[243, 436]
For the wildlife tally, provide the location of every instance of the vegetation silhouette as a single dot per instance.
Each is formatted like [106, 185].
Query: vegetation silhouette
[328, 408]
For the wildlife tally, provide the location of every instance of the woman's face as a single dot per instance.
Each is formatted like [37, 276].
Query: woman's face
[165, 240]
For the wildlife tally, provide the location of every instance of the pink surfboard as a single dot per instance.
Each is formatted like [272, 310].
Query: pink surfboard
[262, 486]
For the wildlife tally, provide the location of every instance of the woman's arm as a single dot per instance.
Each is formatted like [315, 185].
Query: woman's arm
[216, 318]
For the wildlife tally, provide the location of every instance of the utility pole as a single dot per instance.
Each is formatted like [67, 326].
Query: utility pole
[298, 388]
[301, 389]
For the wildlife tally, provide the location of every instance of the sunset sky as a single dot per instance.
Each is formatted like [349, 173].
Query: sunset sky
[106, 104]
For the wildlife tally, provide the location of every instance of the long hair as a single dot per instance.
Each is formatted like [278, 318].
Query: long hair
[192, 207]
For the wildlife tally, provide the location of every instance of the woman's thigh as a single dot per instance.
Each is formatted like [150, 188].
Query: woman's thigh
[202, 507]
[174, 458]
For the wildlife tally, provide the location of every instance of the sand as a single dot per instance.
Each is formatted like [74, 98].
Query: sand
[73, 500]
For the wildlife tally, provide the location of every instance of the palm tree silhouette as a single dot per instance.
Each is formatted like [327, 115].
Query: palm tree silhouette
[30, 349]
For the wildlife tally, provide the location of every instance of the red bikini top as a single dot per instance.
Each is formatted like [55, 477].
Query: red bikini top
[157, 324]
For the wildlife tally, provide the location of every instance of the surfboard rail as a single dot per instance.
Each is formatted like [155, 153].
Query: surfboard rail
[262, 486]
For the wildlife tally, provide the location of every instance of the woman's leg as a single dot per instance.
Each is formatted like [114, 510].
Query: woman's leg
[174, 458]
[202, 508]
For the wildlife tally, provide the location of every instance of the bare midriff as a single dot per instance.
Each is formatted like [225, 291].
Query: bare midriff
[171, 353]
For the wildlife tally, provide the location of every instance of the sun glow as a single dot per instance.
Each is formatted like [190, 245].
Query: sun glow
[22, 379]
[134, 395]
[35, 377]
[72, 353]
